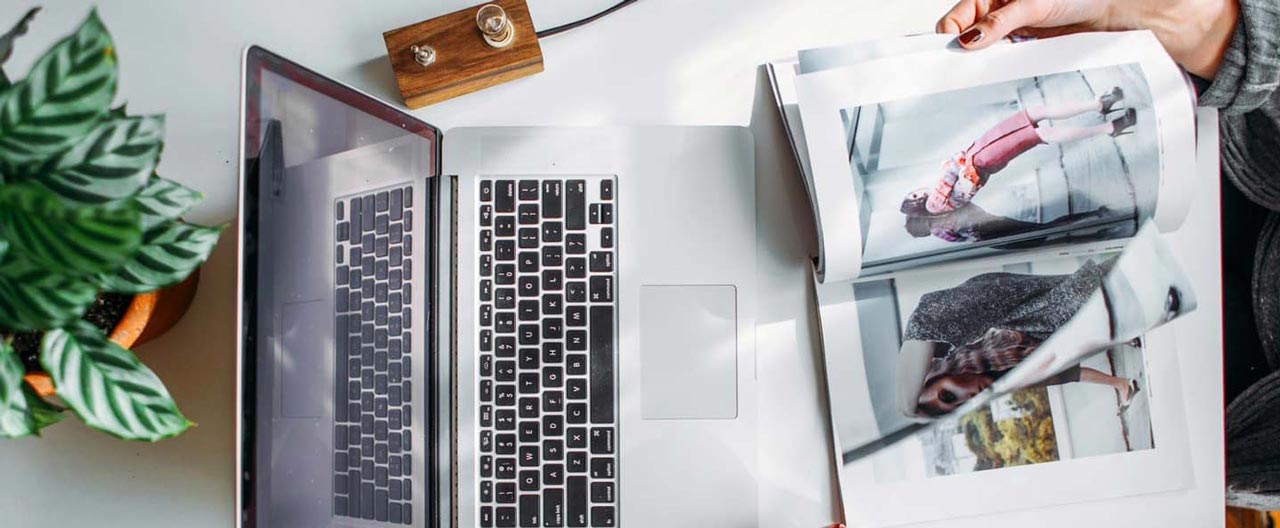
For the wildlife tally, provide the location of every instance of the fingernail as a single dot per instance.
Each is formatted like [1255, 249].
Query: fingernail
[971, 36]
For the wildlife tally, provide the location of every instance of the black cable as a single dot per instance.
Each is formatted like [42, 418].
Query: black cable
[578, 23]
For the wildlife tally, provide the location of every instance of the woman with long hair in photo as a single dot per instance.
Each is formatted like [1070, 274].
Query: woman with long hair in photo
[960, 340]
[974, 224]
[965, 173]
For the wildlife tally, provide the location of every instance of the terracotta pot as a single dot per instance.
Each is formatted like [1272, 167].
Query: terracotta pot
[149, 315]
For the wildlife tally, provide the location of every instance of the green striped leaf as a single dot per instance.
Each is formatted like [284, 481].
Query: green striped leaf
[162, 200]
[75, 240]
[4, 246]
[43, 412]
[171, 252]
[34, 298]
[63, 97]
[107, 387]
[110, 163]
[16, 419]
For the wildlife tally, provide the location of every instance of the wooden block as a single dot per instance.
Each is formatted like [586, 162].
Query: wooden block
[464, 61]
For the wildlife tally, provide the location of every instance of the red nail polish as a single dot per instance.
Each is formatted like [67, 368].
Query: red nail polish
[971, 36]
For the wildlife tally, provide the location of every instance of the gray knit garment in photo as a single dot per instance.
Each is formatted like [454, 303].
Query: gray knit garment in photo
[1244, 89]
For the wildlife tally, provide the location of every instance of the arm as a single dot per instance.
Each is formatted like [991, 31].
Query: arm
[1244, 88]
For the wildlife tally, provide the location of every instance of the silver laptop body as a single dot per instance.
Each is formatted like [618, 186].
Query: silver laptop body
[361, 366]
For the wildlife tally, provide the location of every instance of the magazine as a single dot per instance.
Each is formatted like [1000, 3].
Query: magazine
[991, 266]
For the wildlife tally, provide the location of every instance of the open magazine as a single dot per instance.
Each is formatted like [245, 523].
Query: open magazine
[991, 262]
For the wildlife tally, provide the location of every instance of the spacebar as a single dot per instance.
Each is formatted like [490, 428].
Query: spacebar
[601, 321]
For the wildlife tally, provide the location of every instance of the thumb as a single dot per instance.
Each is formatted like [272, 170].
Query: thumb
[999, 23]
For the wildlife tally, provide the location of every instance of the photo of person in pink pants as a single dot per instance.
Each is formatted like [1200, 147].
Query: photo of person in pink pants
[965, 173]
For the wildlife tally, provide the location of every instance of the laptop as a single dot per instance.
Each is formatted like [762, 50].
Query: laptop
[493, 326]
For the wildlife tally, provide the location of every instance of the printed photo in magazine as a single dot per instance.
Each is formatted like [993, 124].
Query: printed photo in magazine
[1004, 370]
[950, 156]
[1050, 159]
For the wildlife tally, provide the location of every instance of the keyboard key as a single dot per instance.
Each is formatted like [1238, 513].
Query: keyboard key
[530, 509]
[551, 201]
[575, 340]
[486, 215]
[576, 364]
[602, 516]
[505, 492]
[505, 298]
[576, 413]
[602, 468]
[602, 290]
[575, 243]
[553, 507]
[552, 256]
[528, 190]
[529, 457]
[575, 205]
[601, 261]
[576, 389]
[606, 189]
[553, 401]
[576, 461]
[576, 501]
[575, 268]
[505, 516]
[527, 237]
[505, 196]
[486, 517]
[528, 214]
[575, 292]
[504, 274]
[506, 468]
[601, 492]
[528, 310]
[527, 262]
[504, 250]
[486, 190]
[505, 226]
[552, 232]
[601, 440]
[504, 444]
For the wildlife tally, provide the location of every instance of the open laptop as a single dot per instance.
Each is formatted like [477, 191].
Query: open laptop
[489, 326]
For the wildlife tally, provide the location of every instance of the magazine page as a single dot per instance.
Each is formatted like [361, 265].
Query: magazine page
[1036, 381]
[782, 76]
[948, 155]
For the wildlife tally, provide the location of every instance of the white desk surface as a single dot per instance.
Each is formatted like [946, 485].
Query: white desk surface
[657, 62]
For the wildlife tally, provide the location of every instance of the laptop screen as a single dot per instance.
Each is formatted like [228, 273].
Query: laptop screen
[337, 199]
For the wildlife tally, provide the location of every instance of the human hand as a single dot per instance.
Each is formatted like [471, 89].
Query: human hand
[1194, 32]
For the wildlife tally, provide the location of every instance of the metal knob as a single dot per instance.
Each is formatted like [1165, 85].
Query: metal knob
[498, 30]
[424, 54]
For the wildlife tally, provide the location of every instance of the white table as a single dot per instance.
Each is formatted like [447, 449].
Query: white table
[657, 62]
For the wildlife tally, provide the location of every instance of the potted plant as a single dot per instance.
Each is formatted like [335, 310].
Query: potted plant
[91, 246]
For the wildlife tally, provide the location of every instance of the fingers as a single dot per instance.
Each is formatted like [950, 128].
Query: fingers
[1000, 22]
[961, 16]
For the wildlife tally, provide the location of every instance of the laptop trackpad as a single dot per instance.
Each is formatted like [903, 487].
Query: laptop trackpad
[689, 349]
[302, 360]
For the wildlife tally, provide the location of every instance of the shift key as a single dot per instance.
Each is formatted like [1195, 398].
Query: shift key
[575, 205]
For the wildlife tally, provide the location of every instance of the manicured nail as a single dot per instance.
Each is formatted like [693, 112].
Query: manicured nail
[973, 35]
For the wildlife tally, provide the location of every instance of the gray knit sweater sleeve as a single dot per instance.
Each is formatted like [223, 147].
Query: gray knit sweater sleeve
[1245, 91]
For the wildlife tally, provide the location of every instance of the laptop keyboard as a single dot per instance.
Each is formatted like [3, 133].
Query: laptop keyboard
[373, 392]
[546, 333]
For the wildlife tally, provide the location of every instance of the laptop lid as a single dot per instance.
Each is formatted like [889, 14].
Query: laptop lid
[311, 148]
